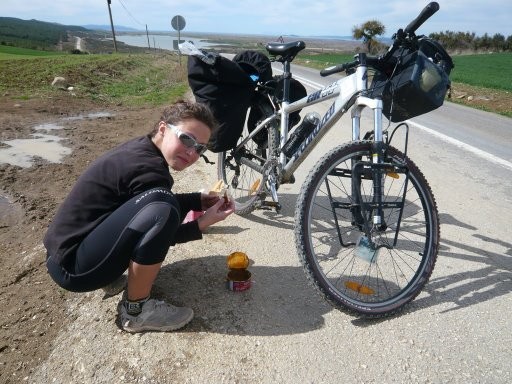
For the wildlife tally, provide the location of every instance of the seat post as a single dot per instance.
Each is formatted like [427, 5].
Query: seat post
[287, 75]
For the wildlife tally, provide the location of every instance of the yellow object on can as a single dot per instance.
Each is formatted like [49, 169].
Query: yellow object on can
[237, 260]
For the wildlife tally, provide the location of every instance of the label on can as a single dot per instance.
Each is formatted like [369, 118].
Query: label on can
[238, 280]
[238, 286]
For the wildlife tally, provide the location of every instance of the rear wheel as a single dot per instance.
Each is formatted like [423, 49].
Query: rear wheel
[243, 169]
[369, 272]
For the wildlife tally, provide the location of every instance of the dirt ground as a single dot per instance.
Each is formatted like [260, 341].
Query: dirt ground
[32, 305]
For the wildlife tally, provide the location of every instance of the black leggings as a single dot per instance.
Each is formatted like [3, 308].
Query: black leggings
[142, 230]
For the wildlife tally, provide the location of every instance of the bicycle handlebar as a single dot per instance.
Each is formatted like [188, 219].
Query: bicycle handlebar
[428, 11]
[338, 68]
[399, 38]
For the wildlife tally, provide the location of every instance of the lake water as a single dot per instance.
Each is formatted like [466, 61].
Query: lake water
[161, 41]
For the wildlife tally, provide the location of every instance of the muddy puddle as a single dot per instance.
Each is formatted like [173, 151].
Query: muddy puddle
[42, 144]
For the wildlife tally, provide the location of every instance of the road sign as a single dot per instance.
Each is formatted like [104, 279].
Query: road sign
[178, 22]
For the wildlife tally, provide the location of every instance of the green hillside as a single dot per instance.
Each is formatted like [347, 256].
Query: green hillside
[34, 34]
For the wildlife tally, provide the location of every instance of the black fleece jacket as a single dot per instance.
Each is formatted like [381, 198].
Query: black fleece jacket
[111, 180]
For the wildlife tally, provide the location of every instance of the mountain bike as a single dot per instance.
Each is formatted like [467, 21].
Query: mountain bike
[367, 226]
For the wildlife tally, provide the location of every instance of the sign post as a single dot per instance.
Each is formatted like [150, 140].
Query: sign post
[178, 23]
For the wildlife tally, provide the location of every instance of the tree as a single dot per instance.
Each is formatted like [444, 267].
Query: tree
[484, 42]
[367, 31]
[498, 42]
[508, 43]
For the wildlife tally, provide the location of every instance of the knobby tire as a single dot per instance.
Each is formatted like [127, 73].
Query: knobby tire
[327, 233]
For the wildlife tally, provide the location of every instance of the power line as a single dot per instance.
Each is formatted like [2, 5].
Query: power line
[129, 14]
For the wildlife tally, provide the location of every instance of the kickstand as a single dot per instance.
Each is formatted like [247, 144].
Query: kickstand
[206, 160]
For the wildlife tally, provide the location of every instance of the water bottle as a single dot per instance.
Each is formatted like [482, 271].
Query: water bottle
[309, 123]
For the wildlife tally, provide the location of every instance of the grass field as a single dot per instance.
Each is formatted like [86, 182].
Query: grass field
[484, 70]
[9, 53]
[320, 61]
[128, 79]
[157, 78]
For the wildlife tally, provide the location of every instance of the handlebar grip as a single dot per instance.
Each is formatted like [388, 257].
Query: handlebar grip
[428, 11]
[338, 68]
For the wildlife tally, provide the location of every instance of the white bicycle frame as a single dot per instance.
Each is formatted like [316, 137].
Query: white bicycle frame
[343, 90]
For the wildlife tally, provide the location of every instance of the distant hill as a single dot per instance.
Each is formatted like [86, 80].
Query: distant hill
[118, 28]
[33, 33]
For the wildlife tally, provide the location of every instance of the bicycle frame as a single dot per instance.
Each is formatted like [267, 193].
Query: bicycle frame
[366, 221]
[347, 93]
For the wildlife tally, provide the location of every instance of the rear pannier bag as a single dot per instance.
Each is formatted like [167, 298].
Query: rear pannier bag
[227, 89]
[297, 92]
[262, 108]
[256, 64]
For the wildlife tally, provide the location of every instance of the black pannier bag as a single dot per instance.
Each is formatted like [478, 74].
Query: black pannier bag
[228, 91]
[256, 64]
[262, 108]
[417, 84]
[259, 68]
[297, 92]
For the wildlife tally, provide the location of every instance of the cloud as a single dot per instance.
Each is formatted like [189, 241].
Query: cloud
[300, 17]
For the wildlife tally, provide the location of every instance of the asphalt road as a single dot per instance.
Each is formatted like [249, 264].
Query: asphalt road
[462, 321]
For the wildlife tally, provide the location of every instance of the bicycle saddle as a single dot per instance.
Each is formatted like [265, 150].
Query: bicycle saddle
[285, 49]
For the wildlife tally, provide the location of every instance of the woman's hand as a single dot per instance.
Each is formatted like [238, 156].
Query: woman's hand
[208, 200]
[217, 212]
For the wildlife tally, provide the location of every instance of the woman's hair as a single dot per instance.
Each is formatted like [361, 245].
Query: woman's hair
[185, 110]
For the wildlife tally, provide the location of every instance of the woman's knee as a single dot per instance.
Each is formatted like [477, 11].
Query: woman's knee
[157, 222]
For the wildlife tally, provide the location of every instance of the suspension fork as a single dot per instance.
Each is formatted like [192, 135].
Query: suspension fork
[361, 212]
[378, 152]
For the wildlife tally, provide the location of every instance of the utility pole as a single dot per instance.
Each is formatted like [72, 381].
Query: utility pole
[147, 35]
[112, 25]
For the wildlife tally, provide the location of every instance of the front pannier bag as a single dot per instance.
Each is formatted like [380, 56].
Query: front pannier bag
[227, 89]
[417, 83]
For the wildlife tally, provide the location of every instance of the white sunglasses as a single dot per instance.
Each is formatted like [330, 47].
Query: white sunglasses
[188, 141]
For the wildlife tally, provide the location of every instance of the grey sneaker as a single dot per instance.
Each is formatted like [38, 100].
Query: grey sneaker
[117, 286]
[156, 315]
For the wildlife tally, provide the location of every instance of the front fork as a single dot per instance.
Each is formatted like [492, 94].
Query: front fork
[359, 169]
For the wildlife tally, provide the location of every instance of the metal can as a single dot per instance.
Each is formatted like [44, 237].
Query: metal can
[238, 280]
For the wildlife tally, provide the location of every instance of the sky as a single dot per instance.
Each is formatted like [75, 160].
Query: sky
[271, 17]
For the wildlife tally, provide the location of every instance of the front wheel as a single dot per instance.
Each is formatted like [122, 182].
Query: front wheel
[364, 268]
